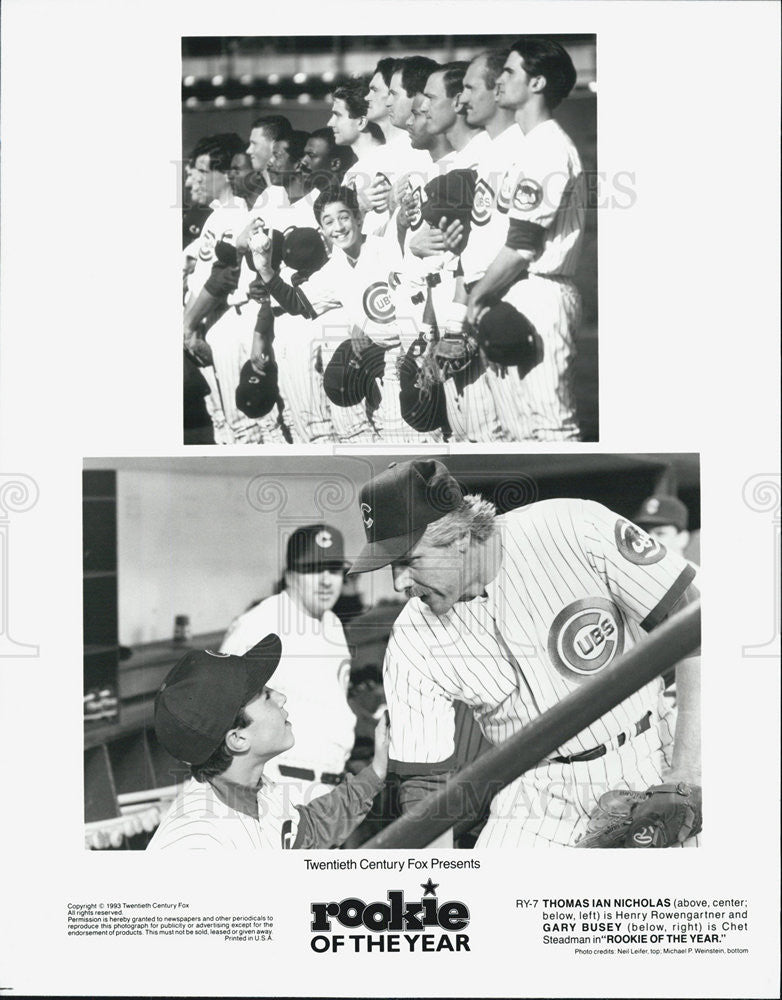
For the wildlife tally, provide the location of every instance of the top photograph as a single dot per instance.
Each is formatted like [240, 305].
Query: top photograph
[389, 240]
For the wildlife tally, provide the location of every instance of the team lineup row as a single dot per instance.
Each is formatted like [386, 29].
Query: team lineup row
[404, 274]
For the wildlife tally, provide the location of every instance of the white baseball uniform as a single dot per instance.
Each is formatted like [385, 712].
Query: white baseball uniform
[313, 674]
[544, 197]
[390, 161]
[361, 289]
[224, 223]
[577, 586]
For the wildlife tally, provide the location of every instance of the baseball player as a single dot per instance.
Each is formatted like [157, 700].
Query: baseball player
[323, 163]
[217, 713]
[315, 667]
[352, 128]
[354, 279]
[470, 404]
[390, 112]
[510, 614]
[210, 180]
[543, 197]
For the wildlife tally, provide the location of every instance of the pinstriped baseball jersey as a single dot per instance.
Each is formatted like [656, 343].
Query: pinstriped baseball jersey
[489, 228]
[223, 224]
[543, 195]
[360, 288]
[547, 188]
[541, 406]
[296, 350]
[578, 585]
[351, 423]
[199, 820]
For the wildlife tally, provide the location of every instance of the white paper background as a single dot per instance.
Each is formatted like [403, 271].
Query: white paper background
[688, 100]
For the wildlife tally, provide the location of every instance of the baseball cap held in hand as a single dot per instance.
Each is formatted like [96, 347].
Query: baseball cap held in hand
[398, 505]
[201, 696]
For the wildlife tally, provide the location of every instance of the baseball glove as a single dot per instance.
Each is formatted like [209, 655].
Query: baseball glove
[448, 356]
[662, 816]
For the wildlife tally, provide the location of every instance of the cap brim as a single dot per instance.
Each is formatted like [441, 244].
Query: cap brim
[335, 565]
[376, 555]
[261, 662]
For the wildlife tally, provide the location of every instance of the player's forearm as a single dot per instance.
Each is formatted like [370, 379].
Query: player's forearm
[506, 267]
[329, 820]
[285, 295]
[197, 310]
[686, 763]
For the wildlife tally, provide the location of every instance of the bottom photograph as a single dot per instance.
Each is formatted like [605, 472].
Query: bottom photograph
[381, 652]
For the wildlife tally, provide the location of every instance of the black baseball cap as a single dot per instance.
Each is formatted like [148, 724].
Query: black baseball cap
[314, 548]
[398, 505]
[507, 337]
[659, 510]
[348, 378]
[200, 698]
[304, 249]
[450, 195]
[257, 393]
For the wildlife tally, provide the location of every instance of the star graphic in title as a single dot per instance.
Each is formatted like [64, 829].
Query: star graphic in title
[429, 887]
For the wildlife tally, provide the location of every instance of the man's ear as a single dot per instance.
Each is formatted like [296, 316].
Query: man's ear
[684, 537]
[537, 84]
[462, 543]
[335, 163]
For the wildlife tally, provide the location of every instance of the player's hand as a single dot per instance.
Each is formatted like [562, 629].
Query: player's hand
[475, 310]
[262, 353]
[427, 242]
[379, 194]
[198, 349]
[382, 738]
[453, 235]
[406, 211]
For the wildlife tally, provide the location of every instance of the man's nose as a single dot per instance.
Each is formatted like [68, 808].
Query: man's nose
[402, 578]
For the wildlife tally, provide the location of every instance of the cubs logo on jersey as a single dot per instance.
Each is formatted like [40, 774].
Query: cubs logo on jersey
[377, 303]
[504, 197]
[206, 247]
[585, 637]
[415, 214]
[482, 203]
[635, 545]
[528, 195]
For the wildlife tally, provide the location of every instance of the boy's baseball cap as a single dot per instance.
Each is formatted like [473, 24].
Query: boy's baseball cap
[201, 696]
[658, 510]
[314, 548]
[398, 505]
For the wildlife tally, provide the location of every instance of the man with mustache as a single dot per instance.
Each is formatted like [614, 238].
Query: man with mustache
[510, 614]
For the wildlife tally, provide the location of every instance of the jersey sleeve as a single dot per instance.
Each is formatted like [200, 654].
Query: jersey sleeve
[541, 181]
[328, 821]
[421, 712]
[645, 578]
